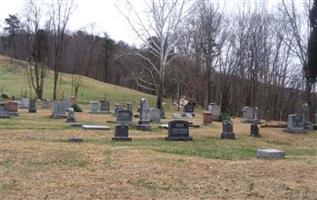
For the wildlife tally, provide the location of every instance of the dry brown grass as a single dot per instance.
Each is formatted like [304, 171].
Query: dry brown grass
[39, 163]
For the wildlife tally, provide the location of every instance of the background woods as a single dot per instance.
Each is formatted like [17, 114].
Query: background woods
[245, 57]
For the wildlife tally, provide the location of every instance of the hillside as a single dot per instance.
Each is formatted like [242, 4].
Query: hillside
[14, 82]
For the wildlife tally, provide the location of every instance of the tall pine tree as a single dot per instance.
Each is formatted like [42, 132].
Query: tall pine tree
[311, 68]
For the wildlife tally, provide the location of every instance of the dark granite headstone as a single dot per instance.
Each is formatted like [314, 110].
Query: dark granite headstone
[121, 133]
[178, 131]
[255, 130]
[3, 111]
[104, 106]
[227, 130]
[124, 117]
[144, 122]
[32, 108]
[71, 115]
[93, 107]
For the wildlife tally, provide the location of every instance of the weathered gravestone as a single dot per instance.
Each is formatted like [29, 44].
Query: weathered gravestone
[227, 130]
[45, 104]
[12, 108]
[58, 110]
[117, 108]
[104, 106]
[178, 131]
[130, 106]
[215, 111]
[270, 154]
[255, 130]
[155, 115]
[121, 133]
[306, 114]
[144, 122]
[188, 110]
[3, 111]
[71, 115]
[25, 103]
[124, 117]
[207, 118]
[295, 124]
[32, 107]
[176, 116]
[94, 107]
[249, 115]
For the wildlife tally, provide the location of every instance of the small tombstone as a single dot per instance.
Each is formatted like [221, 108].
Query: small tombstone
[176, 116]
[255, 130]
[25, 103]
[295, 124]
[32, 107]
[75, 139]
[144, 122]
[121, 133]
[117, 108]
[178, 131]
[12, 108]
[155, 115]
[270, 154]
[124, 117]
[249, 114]
[71, 115]
[58, 109]
[163, 114]
[227, 130]
[189, 110]
[45, 104]
[207, 117]
[130, 106]
[104, 106]
[3, 111]
[215, 111]
[93, 106]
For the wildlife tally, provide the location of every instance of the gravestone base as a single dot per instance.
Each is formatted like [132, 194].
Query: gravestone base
[56, 116]
[32, 111]
[121, 139]
[75, 139]
[295, 130]
[70, 120]
[270, 154]
[315, 126]
[144, 126]
[228, 135]
[4, 114]
[178, 138]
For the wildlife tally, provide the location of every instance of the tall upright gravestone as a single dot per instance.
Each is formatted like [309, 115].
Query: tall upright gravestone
[144, 122]
[227, 130]
[32, 107]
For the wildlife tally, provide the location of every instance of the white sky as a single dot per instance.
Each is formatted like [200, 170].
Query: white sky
[103, 15]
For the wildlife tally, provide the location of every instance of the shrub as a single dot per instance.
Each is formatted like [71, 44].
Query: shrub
[77, 108]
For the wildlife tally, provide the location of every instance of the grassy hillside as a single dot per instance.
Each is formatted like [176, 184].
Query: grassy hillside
[14, 81]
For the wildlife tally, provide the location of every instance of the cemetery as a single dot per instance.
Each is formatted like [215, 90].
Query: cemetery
[195, 100]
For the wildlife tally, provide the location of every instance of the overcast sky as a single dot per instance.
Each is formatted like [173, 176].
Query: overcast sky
[103, 15]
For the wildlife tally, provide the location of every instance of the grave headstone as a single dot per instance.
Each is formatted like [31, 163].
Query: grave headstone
[270, 154]
[130, 106]
[250, 115]
[255, 130]
[178, 131]
[93, 107]
[71, 115]
[3, 111]
[207, 118]
[188, 110]
[104, 106]
[45, 104]
[121, 133]
[227, 130]
[124, 117]
[306, 114]
[117, 108]
[144, 122]
[12, 108]
[163, 114]
[25, 103]
[155, 115]
[32, 107]
[58, 109]
[215, 111]
[295, 124]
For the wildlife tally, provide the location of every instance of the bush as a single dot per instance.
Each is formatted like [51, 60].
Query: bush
[5, 96]
[225, 116]
[77, 108]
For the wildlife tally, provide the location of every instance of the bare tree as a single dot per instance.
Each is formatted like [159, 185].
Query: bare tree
[160, 35]
[60, 14]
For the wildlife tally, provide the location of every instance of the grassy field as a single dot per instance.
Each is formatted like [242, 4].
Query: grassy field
[37, 162]
[14, 81]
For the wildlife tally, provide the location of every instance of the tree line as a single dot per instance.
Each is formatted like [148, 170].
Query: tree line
[246, 57]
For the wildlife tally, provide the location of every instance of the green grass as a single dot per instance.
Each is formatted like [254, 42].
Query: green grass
[14, 82]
